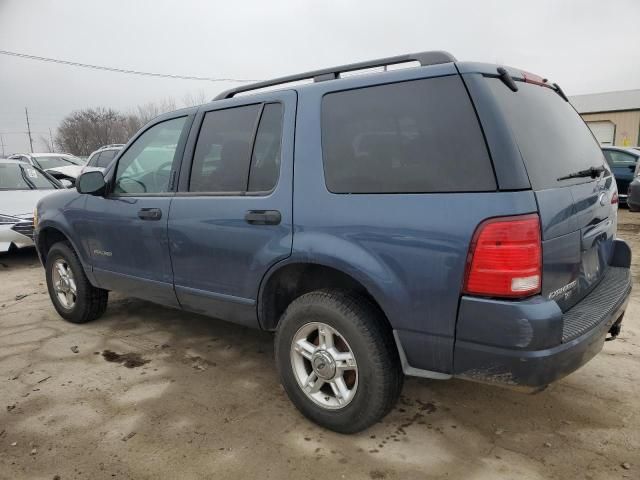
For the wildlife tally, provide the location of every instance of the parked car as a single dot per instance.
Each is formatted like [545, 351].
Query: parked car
[21, 186]
[61, 166]
[450, 220]
[101, 158]
[623, 163]
[633, 198]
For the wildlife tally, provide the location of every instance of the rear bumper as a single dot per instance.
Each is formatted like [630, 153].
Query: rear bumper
[532, 343]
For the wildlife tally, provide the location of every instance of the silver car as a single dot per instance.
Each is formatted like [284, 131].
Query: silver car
[21, 186]
[59, 165]
[101, 158]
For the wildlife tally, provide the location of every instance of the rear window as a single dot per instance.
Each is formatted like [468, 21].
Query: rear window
[551, 136]
[412, 137]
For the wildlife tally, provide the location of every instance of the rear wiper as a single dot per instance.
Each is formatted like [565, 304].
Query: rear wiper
[593, 172]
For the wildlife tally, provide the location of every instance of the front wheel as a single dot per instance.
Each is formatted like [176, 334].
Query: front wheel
[72, 295]
[337, 360]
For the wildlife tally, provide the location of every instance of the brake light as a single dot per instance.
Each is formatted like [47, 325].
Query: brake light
[614, 198]
[529, 77]
[505, 258]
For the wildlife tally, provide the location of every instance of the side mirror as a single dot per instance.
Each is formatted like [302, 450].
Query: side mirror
[66, 183]
[91, 182]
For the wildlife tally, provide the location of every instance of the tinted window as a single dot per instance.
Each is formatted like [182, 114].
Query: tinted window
[551, 136]
[265, 161]
[105, 158]
[221, 159]
[619, 159]
[418, 136]
[146, 166]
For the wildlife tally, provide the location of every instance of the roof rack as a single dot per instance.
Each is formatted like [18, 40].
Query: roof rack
[424, 58]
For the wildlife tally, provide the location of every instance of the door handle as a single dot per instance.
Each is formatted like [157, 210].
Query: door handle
[150, 213]
[263, 217]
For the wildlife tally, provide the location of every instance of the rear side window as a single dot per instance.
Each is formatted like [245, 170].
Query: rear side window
[551, 136]
[229, 159]
[221, 159]
[413, 137]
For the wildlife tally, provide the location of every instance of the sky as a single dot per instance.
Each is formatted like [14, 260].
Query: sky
[586, 46]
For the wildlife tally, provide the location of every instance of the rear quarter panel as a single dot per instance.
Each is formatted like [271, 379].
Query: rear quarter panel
[408, 250]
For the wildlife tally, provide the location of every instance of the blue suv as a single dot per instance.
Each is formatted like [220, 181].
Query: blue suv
[448, 220]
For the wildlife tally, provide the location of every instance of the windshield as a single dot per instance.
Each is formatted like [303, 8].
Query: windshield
[18, 176]
[55, 161]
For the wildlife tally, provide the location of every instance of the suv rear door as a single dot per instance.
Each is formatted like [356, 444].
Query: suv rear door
[232, 217]
[578, 215]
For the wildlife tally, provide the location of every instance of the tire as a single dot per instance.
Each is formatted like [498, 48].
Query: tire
[360, 328]
[90, 302]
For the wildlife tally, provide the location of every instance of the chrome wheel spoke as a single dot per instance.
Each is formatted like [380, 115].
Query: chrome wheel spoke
[325, 336]
[340, 390]
[344, 361]
[313, 383]
[305, 348]
[61, 270]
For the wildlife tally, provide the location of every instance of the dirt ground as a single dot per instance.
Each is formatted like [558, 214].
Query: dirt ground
[199, 398]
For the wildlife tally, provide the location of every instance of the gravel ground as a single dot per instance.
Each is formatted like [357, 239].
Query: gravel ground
[150, 392]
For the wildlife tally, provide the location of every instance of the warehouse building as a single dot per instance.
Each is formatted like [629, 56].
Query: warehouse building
[613, 117]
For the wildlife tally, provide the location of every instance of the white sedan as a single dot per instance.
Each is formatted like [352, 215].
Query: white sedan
[21, 186]
[59, 165]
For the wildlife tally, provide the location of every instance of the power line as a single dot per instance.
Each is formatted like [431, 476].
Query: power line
[122, 70]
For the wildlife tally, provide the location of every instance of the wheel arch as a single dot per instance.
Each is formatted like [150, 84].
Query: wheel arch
[50, 234]
[292, 278]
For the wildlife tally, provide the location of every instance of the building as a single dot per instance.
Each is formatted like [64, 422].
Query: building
[613, 117]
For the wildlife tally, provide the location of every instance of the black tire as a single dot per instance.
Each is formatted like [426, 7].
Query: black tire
[91, 302]
[364, 328]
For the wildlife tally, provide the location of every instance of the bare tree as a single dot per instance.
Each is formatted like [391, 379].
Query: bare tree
[192, 99]
[46, 141]
[84, 131]
[151, 110]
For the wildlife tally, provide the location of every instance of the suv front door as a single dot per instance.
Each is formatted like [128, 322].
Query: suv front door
[231, 218]
[125, 231]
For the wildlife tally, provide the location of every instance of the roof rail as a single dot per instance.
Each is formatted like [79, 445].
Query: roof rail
[424, 58]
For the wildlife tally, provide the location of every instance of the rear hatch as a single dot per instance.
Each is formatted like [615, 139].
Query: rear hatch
[578, 211]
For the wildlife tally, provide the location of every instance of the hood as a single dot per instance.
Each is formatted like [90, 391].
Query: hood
[72, 171]
[21, 202]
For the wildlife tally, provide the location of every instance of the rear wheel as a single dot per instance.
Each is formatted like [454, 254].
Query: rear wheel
[72, 295]
[337, 360]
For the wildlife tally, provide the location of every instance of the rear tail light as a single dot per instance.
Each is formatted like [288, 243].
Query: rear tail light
[614, 198]
[505, 258]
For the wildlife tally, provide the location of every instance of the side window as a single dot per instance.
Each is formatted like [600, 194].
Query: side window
[146, 166]
[265, 161]
[417, 136]
[221, 158]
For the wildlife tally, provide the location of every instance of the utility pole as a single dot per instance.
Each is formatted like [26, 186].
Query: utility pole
[2, 143]
[29, 129]
[53, 149]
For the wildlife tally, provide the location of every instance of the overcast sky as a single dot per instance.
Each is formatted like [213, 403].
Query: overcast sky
[585, 46]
